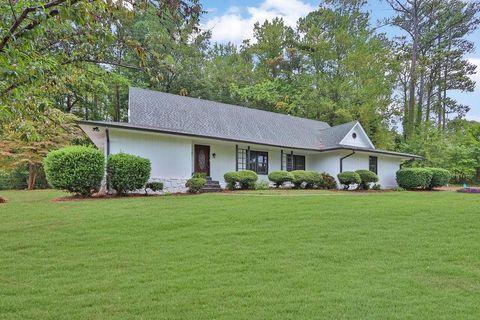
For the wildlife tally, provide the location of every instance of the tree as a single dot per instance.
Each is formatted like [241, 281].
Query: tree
[26, 141]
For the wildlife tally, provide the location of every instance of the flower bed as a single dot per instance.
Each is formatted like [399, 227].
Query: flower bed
[469, 190]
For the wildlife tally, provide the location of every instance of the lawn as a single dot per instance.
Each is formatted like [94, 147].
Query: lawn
[255, 255]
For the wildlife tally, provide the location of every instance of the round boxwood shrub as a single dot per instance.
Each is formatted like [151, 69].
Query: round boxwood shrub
[247, 179]
[77, 169]
[299, 177]
[231, 179]
[440, 177]
[328, 182]
[195, 185]
[348, 178]
[127, 172]
[413, 178]
[280, 177]
[243, 179]
[366, 177]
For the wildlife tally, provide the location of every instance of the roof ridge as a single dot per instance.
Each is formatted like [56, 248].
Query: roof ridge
[229, 104]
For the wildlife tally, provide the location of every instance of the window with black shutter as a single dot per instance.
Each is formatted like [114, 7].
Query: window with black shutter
[295, 162]
[258, 162]
[373, 164]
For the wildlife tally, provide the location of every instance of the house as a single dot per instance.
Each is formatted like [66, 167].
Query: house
[181, 135]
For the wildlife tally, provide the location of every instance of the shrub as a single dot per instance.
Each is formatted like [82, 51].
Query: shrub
[243, 179]
[231, 179]
[412, 178]
[247, 179]
[127, 172]
[366, 177]
[76, 169]
[195, 185]
[280, 177]
[397, 189]
[328, 182]
[348, 178]
[307, 179]
[262, 185]
[440, 177]
[154, 186]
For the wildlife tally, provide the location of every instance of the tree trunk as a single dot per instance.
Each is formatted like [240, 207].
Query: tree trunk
[32, 176]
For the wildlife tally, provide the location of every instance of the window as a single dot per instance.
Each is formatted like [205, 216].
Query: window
[295, 162]
[373, 164]
[354, 135]
[258, 162]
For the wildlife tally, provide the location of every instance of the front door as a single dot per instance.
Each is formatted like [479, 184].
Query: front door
[202, 159]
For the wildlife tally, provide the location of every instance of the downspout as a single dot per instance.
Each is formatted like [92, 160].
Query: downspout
[341, 159]
[107, 149]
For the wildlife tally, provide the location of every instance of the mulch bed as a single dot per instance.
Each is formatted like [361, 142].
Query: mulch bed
[3, 200]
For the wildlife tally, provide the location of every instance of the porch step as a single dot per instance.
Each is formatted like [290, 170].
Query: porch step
[211, 186]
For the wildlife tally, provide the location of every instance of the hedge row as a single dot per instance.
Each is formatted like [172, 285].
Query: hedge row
[422, 178]
[303, 179]
[80, 170]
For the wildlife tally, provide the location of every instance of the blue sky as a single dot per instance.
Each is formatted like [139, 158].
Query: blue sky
[232, 20]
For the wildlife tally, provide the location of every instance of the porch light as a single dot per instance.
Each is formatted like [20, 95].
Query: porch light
[214, 155]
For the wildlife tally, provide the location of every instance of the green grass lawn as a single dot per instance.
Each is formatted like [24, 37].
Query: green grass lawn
[256, 255]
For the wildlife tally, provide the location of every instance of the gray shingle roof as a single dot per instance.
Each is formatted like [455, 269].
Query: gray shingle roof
[219, 120]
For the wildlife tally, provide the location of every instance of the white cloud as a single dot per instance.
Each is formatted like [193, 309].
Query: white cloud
[234, 26]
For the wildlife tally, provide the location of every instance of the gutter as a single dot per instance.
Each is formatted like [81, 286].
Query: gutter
[341, 159]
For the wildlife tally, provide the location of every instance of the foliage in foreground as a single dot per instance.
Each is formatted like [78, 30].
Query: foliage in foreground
[127, 172]
[75, 169]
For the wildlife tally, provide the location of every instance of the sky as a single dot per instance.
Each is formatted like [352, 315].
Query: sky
[232, 21]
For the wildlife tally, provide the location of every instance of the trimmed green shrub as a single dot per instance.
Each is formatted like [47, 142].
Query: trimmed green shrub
[413, 178]
[440, 177]
[306, 179]
[127, 172]
[154, 186]
[247, 179]
[280, 177]
[199, 175]
[366, 177]
[195, 185]
[348, 178]
[77, 169]
[328, 182]
[231, 179]
[243, 179]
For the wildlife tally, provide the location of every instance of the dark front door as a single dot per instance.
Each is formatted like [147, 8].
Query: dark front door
[202, 159]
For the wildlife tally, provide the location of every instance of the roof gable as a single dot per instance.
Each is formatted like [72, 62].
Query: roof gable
[357, 137]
